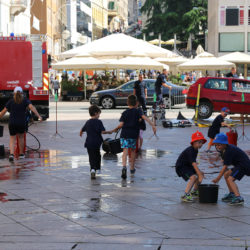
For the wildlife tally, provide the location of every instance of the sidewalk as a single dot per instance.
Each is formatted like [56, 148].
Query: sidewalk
[49, 202]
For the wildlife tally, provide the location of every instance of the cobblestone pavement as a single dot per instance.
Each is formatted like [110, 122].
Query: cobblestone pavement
[49, 202]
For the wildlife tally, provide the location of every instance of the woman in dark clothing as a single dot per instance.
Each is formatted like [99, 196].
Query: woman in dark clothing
[17, 108]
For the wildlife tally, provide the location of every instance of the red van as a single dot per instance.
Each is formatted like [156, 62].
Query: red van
[217, 93]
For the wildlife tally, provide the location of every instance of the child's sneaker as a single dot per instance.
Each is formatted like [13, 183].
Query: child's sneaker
[228, 197]
[195, 193]
[124, 173]
[237, 200]
[98, 171]
[132, 171]
[92, 174]
[11, 157]
[187, 198]
[21, 156]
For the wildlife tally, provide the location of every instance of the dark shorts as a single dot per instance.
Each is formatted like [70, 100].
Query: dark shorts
[16, 129]
[238, 173]
[185, 173]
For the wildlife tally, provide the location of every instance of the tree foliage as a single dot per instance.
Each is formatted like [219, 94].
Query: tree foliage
[180, 17]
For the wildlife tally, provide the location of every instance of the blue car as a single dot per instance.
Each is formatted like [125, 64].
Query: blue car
[111, 98]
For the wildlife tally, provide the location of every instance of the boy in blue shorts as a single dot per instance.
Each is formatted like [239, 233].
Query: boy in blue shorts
[130, 125]
[236, 157]
[187, 168]
[94, 129]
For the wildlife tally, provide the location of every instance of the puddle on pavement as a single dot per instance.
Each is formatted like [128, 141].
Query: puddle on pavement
[143, 154]
[53, 160]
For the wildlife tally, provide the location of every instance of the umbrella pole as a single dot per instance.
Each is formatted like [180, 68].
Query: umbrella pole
[245, 71]
[85, 83]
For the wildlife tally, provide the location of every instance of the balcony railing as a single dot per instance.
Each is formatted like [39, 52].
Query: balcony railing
[17, 6]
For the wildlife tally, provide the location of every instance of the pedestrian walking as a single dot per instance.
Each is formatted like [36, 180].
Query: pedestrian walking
[140, 91]
[94, 129]
[187, 168]
[130, 125]
[161, 82]
[17, 107]
[231, 155]
[56, 85]
[232, 73]
[218, 122]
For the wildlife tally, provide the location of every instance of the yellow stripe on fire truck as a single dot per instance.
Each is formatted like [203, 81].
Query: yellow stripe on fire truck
[45, 81]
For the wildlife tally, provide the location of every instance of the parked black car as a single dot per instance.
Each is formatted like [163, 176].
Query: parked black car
[111, 98]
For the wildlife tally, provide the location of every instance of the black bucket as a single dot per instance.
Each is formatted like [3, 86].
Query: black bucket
[208, 193]
[1, 131]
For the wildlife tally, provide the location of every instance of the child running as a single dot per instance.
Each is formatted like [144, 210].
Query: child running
[236, 157]
[94, 129]
[216, 125]
[130, 124]
[187, 168]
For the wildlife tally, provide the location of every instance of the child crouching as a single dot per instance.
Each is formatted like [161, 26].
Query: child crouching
[231, 156]
[187, 168]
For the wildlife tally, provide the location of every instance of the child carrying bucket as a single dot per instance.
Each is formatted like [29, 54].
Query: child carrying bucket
[187, 168]
[130, 125]
[236, 157]
[216, 125]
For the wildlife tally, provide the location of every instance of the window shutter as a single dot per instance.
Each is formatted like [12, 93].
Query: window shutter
[249, 15]
[222, 15]
[241, 15]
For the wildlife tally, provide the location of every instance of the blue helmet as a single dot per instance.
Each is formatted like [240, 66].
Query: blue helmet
[221, 138]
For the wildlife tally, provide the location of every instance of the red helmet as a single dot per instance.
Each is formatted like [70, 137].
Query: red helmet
[197, 136]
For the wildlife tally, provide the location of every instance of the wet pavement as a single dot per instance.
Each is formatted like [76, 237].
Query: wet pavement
[48, 201]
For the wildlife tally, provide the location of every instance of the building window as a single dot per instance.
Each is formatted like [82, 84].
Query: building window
[231, 42]
[111, 5]
[231, 16]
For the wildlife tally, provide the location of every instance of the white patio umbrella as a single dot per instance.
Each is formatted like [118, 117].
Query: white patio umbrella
[172, 60]
[83, 49]
[80, 63]
[122, 45]
[239, 58]
[199, 50]
[206, 61]
[171, 42]
[236, 57]
[157, 42]
[130, 62]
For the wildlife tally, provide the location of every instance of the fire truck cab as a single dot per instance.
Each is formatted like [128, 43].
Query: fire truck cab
[23, 62]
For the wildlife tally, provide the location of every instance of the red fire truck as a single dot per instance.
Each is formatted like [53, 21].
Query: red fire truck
[23, 62]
